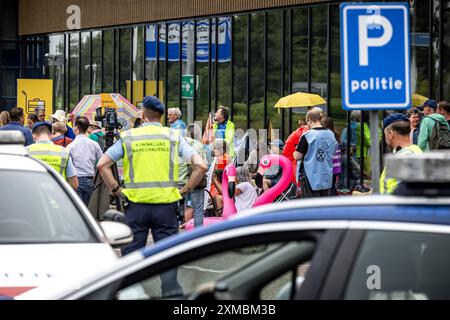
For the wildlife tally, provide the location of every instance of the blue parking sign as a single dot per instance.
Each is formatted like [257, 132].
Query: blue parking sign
[375, 56]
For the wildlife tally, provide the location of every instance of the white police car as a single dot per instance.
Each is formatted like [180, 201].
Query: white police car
[46, 232]
[375, 247]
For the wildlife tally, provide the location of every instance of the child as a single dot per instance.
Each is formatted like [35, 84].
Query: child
[245, 192]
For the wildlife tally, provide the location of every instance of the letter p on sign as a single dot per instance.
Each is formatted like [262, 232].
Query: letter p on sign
[365, 42]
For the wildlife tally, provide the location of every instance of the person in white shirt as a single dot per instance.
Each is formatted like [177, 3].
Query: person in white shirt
[245, 192]
[85, 154]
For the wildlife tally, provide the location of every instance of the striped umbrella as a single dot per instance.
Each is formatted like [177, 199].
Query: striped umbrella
[126, 111]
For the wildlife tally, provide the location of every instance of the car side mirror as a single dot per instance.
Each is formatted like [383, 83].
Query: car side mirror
[117, 234]
[114, 215]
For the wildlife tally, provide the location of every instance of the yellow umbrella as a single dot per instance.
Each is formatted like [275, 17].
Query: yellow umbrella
[418, 100]
[300, 100]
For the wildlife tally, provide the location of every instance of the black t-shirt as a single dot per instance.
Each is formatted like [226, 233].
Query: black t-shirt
[448, 121]
[302, 146]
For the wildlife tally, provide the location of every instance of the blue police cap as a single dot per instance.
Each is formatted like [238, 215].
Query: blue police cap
[430, 103]
[153, 103]
[395, 117]
[40, 124]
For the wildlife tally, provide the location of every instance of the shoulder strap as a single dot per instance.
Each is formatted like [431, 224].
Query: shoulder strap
[428, 117]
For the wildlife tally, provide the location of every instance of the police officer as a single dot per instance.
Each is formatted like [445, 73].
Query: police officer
[397, 131]
[150, 155]
[55, 156]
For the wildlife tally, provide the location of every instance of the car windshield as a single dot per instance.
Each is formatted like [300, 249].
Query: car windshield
[36, 209]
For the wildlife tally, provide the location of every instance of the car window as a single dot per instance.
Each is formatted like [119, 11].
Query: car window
[401, 266]
[36, 209]
[187, 277]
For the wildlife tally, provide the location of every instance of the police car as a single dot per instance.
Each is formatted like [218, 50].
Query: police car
[374, 247]
[46, 232]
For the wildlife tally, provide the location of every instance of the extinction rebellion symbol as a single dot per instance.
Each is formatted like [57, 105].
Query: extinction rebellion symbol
[320, 156]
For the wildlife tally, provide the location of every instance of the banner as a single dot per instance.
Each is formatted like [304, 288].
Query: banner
[203, 32]
[32, 93]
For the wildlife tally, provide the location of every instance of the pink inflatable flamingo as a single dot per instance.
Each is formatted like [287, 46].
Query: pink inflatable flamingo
[229, 207]
[270, 195]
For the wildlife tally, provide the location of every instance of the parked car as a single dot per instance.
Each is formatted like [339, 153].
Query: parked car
[374, 247]
[46, 232]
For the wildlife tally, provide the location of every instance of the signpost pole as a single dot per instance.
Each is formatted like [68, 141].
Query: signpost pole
[375, 151]
[190, 70]
[371, 78]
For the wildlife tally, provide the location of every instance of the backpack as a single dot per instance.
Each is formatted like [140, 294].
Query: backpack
[440, 136]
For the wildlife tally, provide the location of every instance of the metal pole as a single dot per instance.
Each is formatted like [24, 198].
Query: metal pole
[348, 171]
[131, 97]
[65, 105]
[209, 66]
[157, 61]
[441, 52]
[166, 72]
[102, 62]
[430, 50]
[309, 50]
[291, 31]
[79, 65]
[375, 151]
[283, 71]
[329, 62]
[361, 149]
[265, 68]
[232, 69]
[180, 62]
[67, 48]
[114, 84]
[35, 62]
[216, 65]
[91, 69]
[249, 30]
[194, 101]
[119, 67]
[144, 63]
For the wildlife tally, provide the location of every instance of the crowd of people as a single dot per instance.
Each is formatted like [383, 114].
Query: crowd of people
[74, 152]
[168, 168]
[318, 153]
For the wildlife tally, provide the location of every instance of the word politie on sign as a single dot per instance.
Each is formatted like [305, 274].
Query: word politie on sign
[377, 84]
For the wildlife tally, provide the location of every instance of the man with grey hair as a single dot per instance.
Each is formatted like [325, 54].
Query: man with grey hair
[175, 122]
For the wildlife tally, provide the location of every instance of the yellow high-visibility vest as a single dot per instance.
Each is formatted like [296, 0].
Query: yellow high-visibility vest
[387, 184]
[55, 156]
[151, 165]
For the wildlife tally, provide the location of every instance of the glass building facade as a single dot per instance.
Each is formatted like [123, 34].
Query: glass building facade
[271, 53]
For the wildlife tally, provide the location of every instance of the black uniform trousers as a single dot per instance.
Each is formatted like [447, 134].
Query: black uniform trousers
[161, 219]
